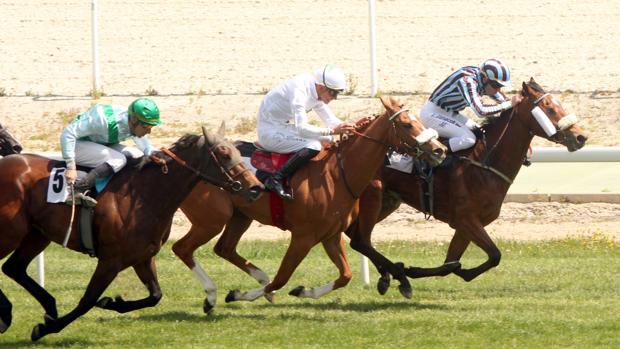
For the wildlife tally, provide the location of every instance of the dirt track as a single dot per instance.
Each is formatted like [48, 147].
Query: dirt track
[213, 60]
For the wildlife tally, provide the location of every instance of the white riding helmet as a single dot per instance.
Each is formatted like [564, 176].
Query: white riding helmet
[331, 77]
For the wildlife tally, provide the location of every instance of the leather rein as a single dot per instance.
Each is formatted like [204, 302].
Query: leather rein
[417, 150]
[229, 183]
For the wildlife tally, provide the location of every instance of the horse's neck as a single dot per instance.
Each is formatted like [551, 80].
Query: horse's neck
[506, 145]
[362, 158]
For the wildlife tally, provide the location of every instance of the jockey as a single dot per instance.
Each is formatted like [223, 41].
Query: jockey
[465, 87]
[93, 139]
[282, 120]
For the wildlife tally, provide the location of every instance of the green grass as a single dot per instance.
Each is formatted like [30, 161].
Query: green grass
[559, 294]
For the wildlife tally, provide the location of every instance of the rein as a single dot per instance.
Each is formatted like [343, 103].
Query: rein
[229, 183]
[485, 163]
[388, 147]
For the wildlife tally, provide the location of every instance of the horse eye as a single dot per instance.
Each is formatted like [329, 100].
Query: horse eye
[550, 111]
[408, 126]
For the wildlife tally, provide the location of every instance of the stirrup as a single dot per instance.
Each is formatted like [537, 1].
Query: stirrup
[273, 185]
[81, 199]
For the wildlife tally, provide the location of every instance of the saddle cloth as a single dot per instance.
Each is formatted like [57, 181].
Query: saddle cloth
[264, 164]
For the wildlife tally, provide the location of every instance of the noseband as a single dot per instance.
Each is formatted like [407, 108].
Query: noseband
[229, 183]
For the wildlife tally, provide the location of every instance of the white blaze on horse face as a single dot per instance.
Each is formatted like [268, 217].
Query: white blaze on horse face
[543, 121]
[567, 120]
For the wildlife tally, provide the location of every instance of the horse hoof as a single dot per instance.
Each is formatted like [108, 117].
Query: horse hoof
[208, 307]
[231, 296]
[297, 291]
[270, 296]
[3, 326]
[37, 332]
[405, 291]
[383, 284]
[5, 322]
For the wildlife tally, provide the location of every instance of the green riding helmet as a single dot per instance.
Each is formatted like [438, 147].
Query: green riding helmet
[145, 110]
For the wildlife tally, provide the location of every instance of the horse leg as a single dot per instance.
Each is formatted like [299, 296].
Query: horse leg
[147, 272]
[457, 247]
[296, 252]
[482, 240]
[335, 249]
[197, 236]
[373, 208]
[104, 274]
[16, 268]
[226, 247]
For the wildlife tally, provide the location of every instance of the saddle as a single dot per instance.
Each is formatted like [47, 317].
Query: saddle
[266, 163]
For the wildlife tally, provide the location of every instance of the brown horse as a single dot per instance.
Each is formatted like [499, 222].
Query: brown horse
[8, 144]
[132, 220]
[468, 189]
[326, 193]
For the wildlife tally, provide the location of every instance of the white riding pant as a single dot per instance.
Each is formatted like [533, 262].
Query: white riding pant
[92, 154]
[454, 126]
[285, 140]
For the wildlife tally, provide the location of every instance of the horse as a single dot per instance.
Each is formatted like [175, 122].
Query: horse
[131, 220]
[8, 144]
[467, 190]
[328, 187]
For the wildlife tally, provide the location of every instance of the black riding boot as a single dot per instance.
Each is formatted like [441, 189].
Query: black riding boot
[101, 171]
[274, 183]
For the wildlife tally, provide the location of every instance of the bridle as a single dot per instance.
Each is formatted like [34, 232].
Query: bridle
[426, 136]
[229, 183]
[554, 133]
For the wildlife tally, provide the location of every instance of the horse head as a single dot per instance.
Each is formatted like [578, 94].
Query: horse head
[411, 136]
[8, 144]
[231, 166]
[545, 117]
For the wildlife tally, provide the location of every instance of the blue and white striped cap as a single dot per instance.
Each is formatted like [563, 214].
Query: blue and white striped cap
[496, 70]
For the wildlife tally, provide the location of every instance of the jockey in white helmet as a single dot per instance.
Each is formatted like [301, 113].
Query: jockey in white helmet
[282, 120]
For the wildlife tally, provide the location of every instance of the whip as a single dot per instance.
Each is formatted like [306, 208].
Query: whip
[68, 233]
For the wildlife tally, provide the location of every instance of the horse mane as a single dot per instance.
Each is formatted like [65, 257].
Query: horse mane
[360, 126]
[489, 122]
[186, 141]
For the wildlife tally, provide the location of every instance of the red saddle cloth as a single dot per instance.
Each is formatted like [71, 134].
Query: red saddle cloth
[270, 163]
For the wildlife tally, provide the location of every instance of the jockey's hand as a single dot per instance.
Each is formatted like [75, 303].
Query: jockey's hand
[344, 128]
[515, 100]
[70, 176]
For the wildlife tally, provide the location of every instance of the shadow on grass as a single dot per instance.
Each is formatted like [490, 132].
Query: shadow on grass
[47, 343]
[360, 307]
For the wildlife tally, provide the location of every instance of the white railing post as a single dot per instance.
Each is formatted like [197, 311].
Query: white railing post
[365, 272]
[373, 48]
[95, 43]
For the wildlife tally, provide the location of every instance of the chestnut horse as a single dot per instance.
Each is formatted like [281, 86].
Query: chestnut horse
[8, 144]
[468, 190]
[131, 222]
[326, 194]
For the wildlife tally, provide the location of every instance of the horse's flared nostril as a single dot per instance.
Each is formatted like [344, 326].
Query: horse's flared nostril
[17, 148]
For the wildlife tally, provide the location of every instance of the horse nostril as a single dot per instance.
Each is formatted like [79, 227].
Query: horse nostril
[17, 148]
[581, 139]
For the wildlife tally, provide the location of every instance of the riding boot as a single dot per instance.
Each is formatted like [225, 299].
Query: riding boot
[101, 171]
[446, 142]
[274, 183]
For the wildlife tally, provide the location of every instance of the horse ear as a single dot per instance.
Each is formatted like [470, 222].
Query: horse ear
[387, 102]
[222, 130]
[208, 137]
[525, 89]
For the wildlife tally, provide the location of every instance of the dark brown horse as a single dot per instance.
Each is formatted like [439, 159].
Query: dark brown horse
[468, 189]
[326, 193]
[8, 144]
[132, 220]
